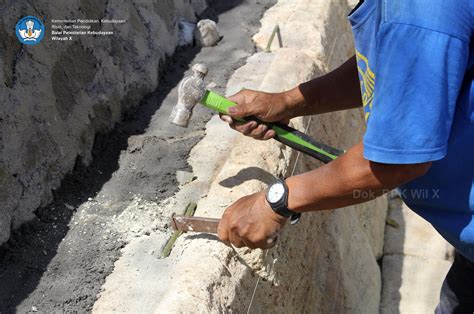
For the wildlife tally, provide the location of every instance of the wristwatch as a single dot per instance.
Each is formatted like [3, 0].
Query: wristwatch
[277, 197]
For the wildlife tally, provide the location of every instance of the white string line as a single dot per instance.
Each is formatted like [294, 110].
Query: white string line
[329, 60]
[256, 286]
[299, 153]
[266, 253]
[338, 279]
[335, 292]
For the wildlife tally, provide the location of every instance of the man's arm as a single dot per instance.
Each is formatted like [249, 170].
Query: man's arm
[337, 90]
[349, 180]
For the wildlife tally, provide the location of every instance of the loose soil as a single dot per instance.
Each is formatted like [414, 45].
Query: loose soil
[59, 261]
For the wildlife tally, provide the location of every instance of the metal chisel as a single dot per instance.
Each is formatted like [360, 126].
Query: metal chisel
[194, 224]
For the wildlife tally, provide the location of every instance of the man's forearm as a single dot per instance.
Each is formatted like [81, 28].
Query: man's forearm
[348, 180]
[337, 90]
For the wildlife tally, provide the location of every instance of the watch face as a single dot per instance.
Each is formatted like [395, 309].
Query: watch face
[276, 193]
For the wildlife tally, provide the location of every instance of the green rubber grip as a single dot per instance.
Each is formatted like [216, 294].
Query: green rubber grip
[216, 102]
[284, 133]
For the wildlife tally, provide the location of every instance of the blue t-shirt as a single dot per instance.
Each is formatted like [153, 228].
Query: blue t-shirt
[416, 66]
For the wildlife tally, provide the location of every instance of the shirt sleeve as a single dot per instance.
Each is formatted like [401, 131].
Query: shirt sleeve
[419, 73]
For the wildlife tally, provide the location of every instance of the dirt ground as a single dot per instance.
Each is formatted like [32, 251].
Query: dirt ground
[59, 261]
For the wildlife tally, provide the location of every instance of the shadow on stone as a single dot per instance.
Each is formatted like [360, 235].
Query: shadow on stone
[247, 174]
[205, 236]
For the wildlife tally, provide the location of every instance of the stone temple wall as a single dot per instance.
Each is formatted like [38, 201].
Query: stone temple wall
[328, 262]
[54, 101]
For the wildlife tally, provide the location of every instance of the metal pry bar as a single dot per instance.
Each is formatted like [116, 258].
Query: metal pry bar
[276, 31]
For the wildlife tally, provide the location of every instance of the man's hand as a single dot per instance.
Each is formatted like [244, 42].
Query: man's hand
[251, 222]
[320, 95]
[268, 107]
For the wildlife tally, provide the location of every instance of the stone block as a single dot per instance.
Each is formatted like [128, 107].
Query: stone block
[411, 284]
[414, 235]
[303, 26]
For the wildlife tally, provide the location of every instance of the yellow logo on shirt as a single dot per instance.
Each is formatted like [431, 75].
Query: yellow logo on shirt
[367, 83]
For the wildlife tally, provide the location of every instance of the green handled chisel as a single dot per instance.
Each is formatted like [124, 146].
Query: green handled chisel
[284, 134]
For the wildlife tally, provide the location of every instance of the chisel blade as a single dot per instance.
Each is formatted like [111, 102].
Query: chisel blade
[195, 224]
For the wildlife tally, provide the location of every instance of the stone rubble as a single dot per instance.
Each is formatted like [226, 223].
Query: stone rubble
[207, 33]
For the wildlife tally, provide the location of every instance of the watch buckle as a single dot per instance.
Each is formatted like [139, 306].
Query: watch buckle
[295, 219]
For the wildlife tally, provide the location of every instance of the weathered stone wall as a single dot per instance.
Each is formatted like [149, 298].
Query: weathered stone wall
[325, 264]
[57, 95]
[330, 259]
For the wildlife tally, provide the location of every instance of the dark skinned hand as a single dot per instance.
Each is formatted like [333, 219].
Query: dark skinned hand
[268, 107]
[251, 222]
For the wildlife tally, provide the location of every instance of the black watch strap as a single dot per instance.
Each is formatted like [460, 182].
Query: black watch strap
[281, 207]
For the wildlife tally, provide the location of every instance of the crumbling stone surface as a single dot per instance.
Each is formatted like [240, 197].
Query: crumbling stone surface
[328, 262]
[57, 95]
[318, 28]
